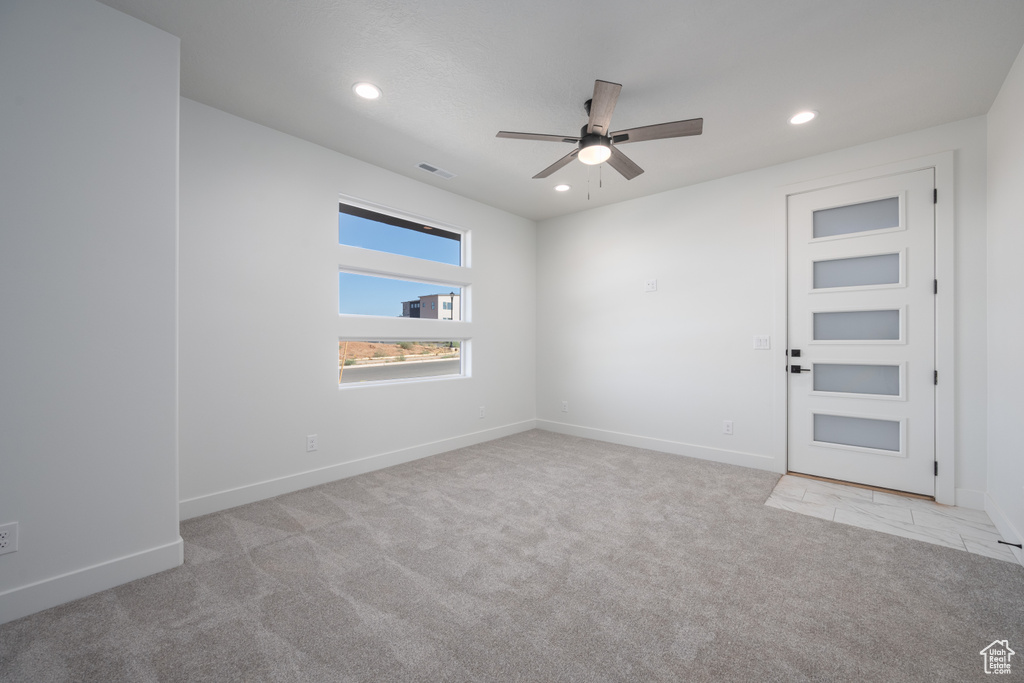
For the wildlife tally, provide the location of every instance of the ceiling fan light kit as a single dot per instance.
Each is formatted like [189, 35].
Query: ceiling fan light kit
[595, 145]
[594, 149]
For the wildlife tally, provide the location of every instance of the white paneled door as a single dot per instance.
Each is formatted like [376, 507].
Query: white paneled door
[862, 332]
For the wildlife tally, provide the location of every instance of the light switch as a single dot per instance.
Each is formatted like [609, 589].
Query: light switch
[762, 341]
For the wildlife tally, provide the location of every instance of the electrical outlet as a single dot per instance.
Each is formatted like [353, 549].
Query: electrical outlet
[8, 538]
[312, 443]
[727, 427]
[565, 406]
[483, 411]
[650, 285]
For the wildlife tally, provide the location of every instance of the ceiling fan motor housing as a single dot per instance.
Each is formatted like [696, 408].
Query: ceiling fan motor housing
[591, 139]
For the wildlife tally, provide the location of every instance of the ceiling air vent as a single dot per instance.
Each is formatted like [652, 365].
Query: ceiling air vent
[439, 172]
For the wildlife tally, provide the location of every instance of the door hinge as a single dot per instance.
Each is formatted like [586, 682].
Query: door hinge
[935, 196]
[936, 468]
[936, 282]
[936, 378]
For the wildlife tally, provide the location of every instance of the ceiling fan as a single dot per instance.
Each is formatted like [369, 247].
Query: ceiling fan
[596, 145]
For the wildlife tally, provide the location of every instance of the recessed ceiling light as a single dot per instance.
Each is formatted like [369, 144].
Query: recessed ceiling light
[803, 117]
[367, 91]
[563, 188]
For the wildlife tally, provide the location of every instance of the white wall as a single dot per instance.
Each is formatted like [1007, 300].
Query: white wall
[88, 220]
[664, 369]
[1005, 502]
[260, 324]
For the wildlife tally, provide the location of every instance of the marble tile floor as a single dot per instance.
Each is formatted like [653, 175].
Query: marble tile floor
[923, 520]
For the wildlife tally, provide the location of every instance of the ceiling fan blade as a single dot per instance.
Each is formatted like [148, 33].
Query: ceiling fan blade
[602, 105]
[558, 164]
[659, 131]
[624, 165]
[536, 136]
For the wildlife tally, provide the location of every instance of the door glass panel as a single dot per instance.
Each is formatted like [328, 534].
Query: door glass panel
[883, 380]
[844, 220]
[856, 272]
[857, 325]
[857, 431]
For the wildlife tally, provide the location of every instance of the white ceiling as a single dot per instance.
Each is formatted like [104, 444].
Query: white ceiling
[454, 72]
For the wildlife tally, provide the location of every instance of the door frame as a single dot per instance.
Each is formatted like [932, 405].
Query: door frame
[945, 302]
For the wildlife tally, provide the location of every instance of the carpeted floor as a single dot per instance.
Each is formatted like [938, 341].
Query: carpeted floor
[537, 557]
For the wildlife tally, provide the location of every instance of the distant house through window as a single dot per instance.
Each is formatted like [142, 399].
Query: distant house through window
[450, 306]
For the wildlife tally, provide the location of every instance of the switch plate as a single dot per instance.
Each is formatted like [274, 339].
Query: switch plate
[651, 285]
[762, 341]
[312, 443]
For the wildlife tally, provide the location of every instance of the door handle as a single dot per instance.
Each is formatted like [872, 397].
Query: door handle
[796, 369]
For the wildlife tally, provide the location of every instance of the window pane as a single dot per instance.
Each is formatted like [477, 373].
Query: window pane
[371, 230]
[384, 296]
[844, 220]
[857, 431]
[857, 325]
[379, 361]
[855, 272]
[883, 380]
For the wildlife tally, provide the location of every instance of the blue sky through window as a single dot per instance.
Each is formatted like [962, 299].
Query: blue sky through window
[369, 234]
[371, 295]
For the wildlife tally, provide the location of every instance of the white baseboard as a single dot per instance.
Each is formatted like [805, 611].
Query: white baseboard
[35, 597]
[969, 498]
[1005, 527]
[754, 460]
[223, 500]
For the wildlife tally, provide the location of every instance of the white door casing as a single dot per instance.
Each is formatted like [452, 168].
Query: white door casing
[862, 317]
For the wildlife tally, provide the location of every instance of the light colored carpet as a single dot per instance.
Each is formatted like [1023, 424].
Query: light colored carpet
[537, 557]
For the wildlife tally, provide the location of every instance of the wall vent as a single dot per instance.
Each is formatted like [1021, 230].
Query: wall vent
[439, 172]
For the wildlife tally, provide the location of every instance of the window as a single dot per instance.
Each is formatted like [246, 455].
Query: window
[361, 361]
[359, 227]
[418, 265]
[363, 294]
